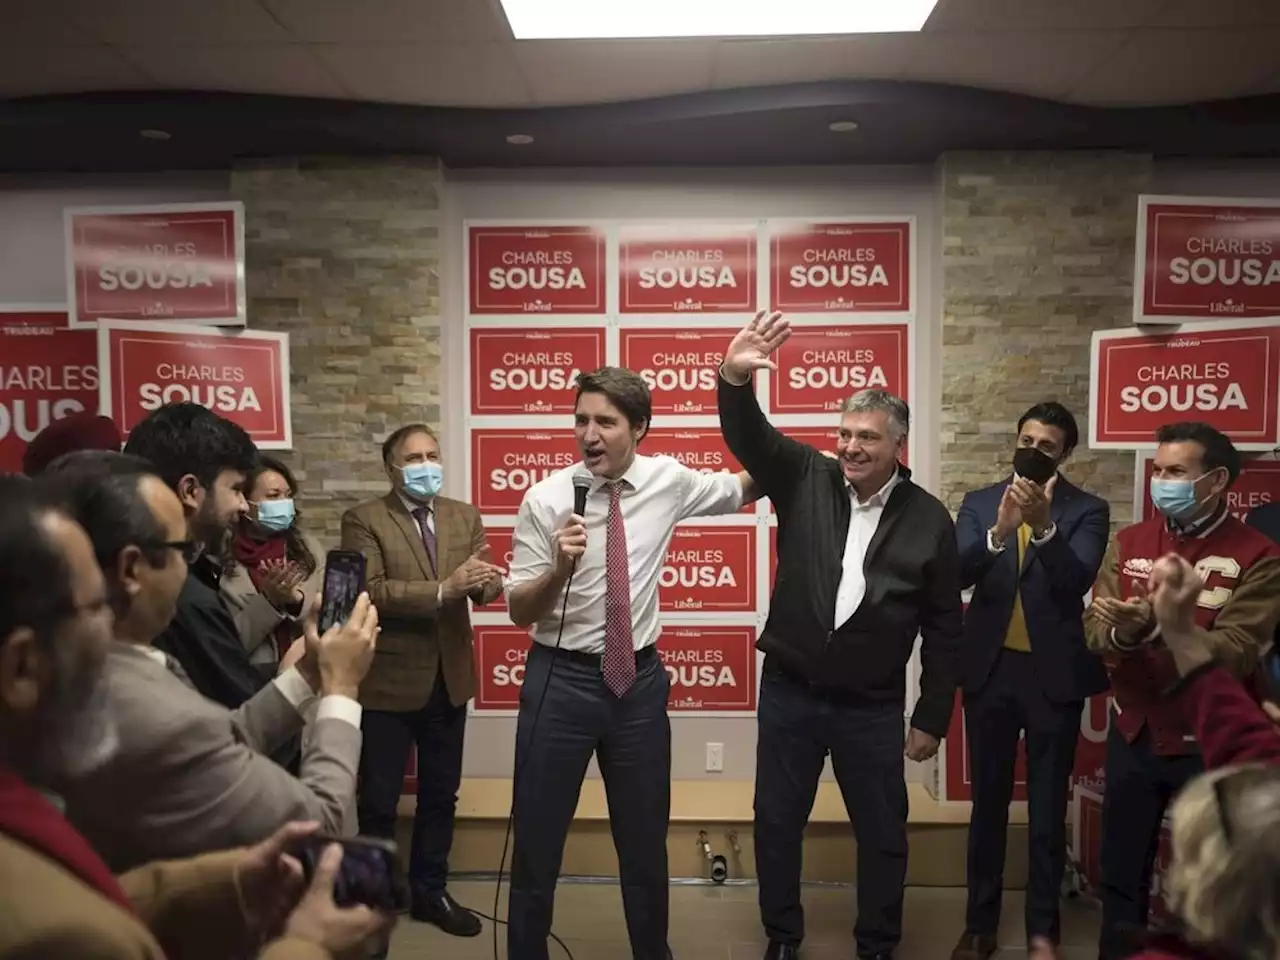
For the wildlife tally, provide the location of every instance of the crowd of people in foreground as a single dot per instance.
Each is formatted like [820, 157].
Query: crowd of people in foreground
[174, 725]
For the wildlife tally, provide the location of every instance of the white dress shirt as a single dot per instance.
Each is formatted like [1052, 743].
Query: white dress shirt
[863, 522]
[658, 492]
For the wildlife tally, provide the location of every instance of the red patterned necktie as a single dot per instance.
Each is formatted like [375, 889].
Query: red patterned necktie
[619, 666]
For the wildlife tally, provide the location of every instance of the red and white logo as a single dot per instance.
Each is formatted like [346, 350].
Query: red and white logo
[501, 553]
[680, 366]
[242, 375]
[543, 270]
[506, 463]
[1257, 485]
[170, 263]
[1200, 259]
[530, 371]
[501, 654]
[687, 270]
[709, 569]
[842, 268]
[821, 367]
[712, 669]
[47, 372]
[1224, 374]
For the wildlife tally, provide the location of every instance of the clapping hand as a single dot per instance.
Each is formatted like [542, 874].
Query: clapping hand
[473, 574]
[281, 583]
[1033, 501]
[749, 351]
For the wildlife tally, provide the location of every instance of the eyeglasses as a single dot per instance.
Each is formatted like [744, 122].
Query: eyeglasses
[189, 549]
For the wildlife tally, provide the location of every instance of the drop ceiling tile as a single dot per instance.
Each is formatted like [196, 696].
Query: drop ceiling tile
[1219, 13]
[747, 63]
[1073, 14]
[271, 68]
[454, 74]
[591, 71]
[31, 70]
[39, 21]
[963, 16]
[1181, 66]
[1044, 63]
[345, 21]
[179, 21]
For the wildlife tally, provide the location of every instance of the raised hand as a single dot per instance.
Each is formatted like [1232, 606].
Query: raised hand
[749, 351]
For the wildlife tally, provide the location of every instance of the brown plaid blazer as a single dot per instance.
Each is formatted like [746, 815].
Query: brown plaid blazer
[419, 637]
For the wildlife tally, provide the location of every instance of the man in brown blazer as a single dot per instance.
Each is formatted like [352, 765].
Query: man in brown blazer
[426, 556]
[60, 899]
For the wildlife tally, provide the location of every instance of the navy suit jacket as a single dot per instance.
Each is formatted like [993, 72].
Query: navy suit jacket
[1054, 579]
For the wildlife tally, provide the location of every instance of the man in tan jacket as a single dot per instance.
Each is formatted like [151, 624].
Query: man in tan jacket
[60, 899]
[191, 776]
[426, 557]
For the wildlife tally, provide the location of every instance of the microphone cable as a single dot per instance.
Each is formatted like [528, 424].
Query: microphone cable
[515, 780]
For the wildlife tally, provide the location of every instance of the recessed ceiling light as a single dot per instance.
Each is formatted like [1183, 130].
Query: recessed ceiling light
[155, 134]
[519, 139]
[843, 126]
[601, 19]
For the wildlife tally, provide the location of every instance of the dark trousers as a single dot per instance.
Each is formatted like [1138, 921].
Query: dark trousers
[797, 729]
[1139, 786]
[631, 738]
[438, 729]
[1012, 701]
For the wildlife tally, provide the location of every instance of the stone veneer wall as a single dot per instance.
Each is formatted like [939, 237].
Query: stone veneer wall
[344, 255]
[1037, 254]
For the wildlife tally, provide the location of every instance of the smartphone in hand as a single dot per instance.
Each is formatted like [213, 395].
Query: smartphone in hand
[369, 874]
[344, 581]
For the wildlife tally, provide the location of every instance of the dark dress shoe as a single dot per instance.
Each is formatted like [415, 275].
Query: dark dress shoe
[781, 951]
[975, 946]
[446, 913]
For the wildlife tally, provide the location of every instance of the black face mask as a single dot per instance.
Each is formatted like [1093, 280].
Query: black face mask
[1035, 466]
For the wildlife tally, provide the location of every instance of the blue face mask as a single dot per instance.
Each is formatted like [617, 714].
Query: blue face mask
[423, 479]
[1175, 498]
[275, 515]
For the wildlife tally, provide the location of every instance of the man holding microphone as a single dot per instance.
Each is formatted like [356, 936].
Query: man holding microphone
[588, 546]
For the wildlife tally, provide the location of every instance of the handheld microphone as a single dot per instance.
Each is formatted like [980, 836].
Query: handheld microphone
[581, 487]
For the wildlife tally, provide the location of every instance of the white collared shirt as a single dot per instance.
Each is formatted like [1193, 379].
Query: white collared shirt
[863, 522]
[429, 506]
[658, 492]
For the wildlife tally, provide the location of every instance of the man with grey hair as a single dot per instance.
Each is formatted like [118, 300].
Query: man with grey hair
[866, 561]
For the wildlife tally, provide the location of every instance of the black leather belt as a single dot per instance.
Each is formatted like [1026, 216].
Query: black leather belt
[643, 655]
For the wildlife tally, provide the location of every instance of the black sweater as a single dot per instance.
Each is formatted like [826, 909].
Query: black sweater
[912, 570]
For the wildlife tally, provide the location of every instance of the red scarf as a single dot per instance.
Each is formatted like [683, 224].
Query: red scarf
[29, 818]
[251, 553]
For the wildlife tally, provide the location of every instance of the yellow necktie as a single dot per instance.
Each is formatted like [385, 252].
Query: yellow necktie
[1016, 637]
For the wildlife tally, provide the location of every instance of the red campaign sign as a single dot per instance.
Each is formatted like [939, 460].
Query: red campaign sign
[687, 270]
[410, 787]
[530, 371]
[1091, 751]
[501, 653]
[506, 463]
[842, 268]
[546, 270]
[1257, 485]
[47, 371]
[243, 376]
[680, 366]
[821, 367]
[709, 570]
[712, 669]
[1202, 259]
[499, 540]
[1226, 375]
[699, 448]
[177, 262]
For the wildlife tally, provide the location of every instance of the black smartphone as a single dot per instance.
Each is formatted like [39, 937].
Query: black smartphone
[369, 874]
[344, 581]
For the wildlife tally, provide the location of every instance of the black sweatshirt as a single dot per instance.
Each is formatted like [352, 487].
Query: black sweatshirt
[912, 570]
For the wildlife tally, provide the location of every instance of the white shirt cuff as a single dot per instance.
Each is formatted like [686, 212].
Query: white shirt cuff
[337, 707]
[295, 689]
[993, 547]
[1048, 535]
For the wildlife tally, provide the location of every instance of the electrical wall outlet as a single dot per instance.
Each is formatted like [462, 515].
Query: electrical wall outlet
[715, 758]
